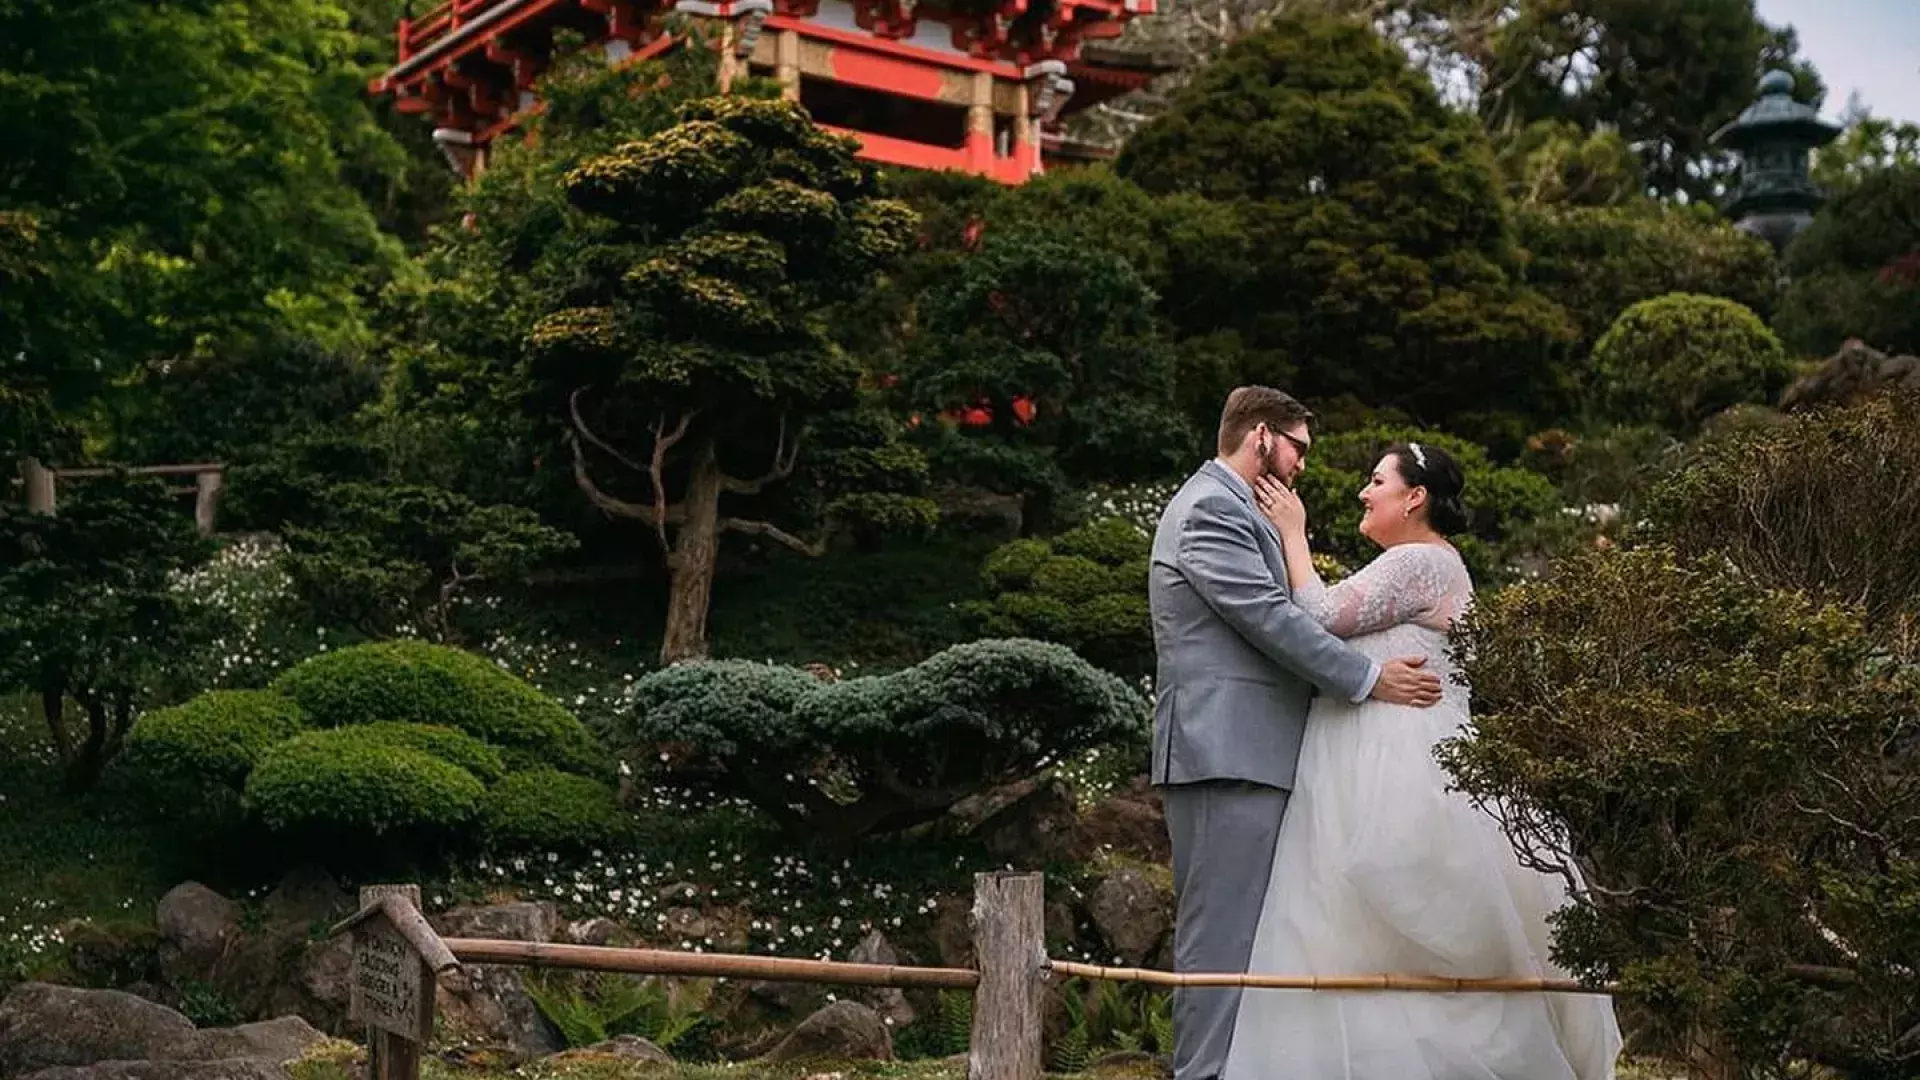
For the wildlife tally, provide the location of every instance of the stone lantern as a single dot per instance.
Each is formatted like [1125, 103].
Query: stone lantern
[1776, 198]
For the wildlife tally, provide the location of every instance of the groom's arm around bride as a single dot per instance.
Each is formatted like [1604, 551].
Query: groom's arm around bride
[1237, 666]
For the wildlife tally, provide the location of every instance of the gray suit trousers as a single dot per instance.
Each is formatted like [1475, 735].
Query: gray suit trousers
[1224, 833]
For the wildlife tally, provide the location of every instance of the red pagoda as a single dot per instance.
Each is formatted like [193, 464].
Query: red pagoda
[973, 85]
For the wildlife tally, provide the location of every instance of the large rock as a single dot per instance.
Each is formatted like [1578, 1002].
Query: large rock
[61, 1033]
[220, 1069]
[1131, 913]
[519, 921]
[494, 1010]
[197, 928]
[890, 1002]
[1130, 822]
[631, 1048]
[843, 1031]
[308, 895]
[42, 1026]
[281, 1039]
[1855, 372]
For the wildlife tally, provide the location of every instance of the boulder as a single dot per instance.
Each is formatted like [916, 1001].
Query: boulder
[519, 921]
[42, 1026]
[494, 1010]
[890, 1002]
[843, 1031]
[197, 928]
[1035, 828]
[1130, 822]
[219, 1069]
[1855, 372]
[1131, 913]
[631, 1048]
[61, 1033]
[598, 930]
[308, 895]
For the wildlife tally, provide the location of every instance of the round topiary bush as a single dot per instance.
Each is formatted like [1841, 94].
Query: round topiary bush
[1086, 589]
[450, 746]
[1677, 360]
[191, 761]
[359, 783]
[417, 683]
[548, 810]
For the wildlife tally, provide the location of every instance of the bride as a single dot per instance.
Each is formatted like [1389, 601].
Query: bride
[1379, 867]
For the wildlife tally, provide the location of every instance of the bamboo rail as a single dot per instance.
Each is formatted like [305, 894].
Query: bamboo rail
[707, 965]
[1422, 984]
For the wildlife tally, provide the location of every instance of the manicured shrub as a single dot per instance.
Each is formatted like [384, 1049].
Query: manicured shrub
[883, 753]
[1827, 502]
[417, 683]
[548, 810]
[357, 784]
[1678, 360]
[1085, 589]
[191, 761]
[1734, 771]
[450, 746]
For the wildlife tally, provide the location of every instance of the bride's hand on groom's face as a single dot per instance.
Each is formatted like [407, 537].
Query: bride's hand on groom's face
[1281, 505]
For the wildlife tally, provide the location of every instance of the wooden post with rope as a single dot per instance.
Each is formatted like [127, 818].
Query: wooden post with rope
[1010, 951]
[39, 481]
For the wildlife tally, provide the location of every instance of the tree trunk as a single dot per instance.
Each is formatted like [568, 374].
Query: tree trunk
[89, 759]
[690, 567]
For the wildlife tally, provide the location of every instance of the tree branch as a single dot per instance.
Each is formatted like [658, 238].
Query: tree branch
[782, 466]
[663, 442]
[580, 425]
[607, 503]
[773, 532]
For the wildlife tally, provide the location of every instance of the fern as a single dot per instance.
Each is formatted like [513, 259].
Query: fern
[956, 1021]
[1157, 1018]
[571, 1014]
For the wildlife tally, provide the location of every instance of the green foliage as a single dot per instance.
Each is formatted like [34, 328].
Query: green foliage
[1855, 272]
[1070, 328]
[356, 784]
[1870, 145]
[87, 612]
[1826, 502]
[1665, 77]
[1382, 265]
[191, 761]
[416, 683]
[1555, 163]
[1106, 1017]
[385, 557]
[1679, 360]
[1733, 770]
[190, 167]
[451, 746]
[1085, 589]
[1507, 506]
[548, 810]
[592, 1008]
[1597, 261]
[881, 753]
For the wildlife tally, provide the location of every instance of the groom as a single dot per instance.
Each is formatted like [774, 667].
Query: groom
[1238, 665]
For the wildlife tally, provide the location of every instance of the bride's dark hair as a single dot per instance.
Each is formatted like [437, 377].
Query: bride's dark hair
[1428, 466]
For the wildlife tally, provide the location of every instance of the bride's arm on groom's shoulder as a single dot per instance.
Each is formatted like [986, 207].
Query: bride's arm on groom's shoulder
[1219, 555]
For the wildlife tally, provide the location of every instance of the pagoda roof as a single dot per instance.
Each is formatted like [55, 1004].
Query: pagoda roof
[1776, 116]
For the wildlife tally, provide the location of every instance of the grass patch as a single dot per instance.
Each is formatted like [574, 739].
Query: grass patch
[67, 857]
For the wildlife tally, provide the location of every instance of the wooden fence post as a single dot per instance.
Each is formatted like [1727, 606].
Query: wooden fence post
[393, 990]
[39, 480]
[206, 499]
[1010, 948]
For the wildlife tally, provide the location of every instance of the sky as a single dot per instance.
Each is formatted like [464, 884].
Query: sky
[1869, 46]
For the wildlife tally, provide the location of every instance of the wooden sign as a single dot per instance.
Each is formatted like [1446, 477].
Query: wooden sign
[390, 982]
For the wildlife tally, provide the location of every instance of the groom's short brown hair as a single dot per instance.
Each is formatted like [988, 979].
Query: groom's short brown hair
[1250, 406]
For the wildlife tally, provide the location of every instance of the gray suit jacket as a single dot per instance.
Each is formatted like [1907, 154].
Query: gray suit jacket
[1238, 662]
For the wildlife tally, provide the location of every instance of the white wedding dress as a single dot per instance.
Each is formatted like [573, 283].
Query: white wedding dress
[1380, 869]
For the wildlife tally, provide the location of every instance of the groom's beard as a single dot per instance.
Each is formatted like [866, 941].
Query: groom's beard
[1270, 467]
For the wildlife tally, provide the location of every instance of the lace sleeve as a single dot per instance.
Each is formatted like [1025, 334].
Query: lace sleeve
[1412, 583]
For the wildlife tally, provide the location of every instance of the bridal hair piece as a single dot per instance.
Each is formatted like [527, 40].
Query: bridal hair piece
[1419, 455]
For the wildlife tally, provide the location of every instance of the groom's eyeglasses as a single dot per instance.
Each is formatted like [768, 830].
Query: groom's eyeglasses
[1299, 446]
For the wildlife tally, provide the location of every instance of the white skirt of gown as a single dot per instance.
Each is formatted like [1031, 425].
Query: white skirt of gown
[1380, 869]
